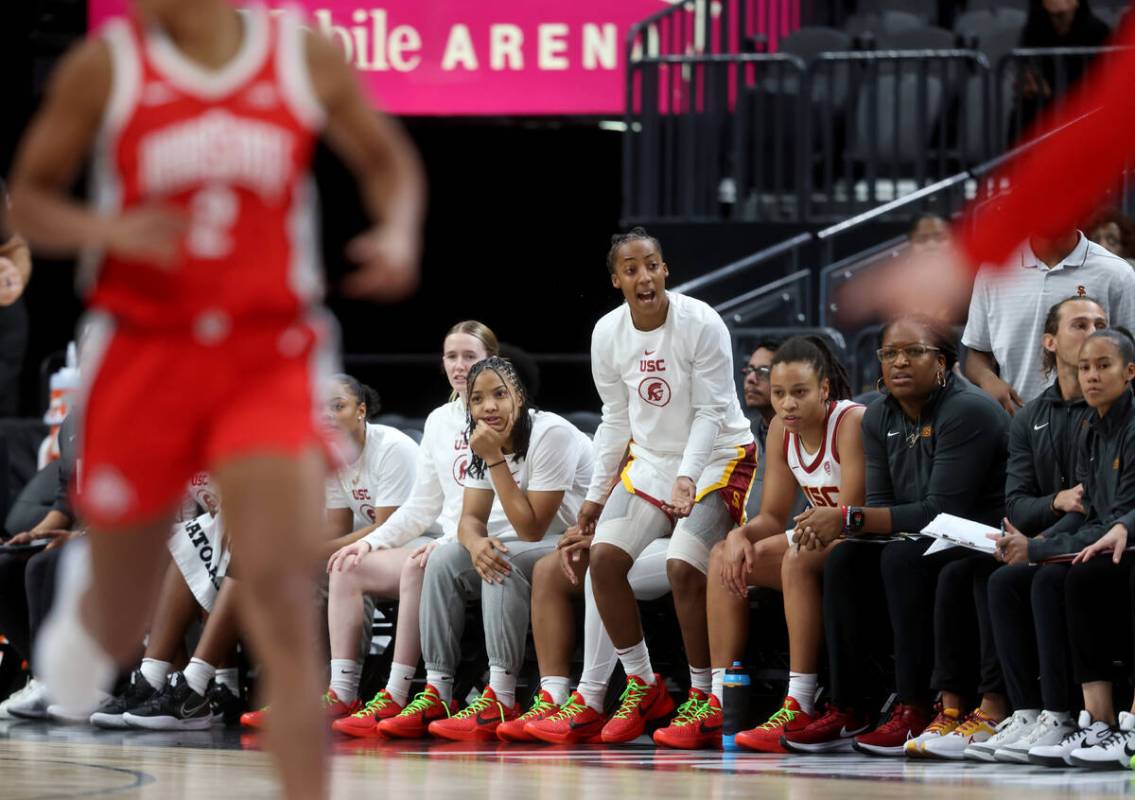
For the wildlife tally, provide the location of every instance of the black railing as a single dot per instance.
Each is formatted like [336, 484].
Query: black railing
[762, 137]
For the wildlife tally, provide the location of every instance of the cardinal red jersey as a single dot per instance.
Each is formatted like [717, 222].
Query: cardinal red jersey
[232, 149]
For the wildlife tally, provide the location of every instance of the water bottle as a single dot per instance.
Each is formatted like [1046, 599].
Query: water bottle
[64, 385]
[735, 688]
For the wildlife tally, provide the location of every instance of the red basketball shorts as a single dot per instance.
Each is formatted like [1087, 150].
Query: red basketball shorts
[159, 406]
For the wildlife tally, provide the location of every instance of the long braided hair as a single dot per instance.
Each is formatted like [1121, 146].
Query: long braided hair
[521, 432]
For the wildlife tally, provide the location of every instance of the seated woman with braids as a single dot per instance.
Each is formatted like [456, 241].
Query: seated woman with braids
[536, 467]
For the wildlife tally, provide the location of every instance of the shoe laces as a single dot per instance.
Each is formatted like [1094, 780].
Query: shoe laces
[688, 709]
[376, 704]
[568, 710]
[941, 723]
[422, 702]
[630, 698]
[694, 714]
[782, 717]
[539, 706]
[479, 705]
[1114, 736]
[1075, 733]
[330, 699]
[972, 724]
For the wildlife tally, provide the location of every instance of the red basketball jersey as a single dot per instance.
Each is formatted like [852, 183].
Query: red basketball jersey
[231, 147]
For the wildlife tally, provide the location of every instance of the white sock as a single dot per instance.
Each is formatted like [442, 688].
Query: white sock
[503, 684]
[716, 682]
[442, 682]
[399, 681]
[345, 677]
[636, 661]
[802, 687]
[155, 672]
[557, 687]
[229, 677]
[701, 678]
[197, 674]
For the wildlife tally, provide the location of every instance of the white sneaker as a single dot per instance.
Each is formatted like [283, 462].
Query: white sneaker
[1050, 727]
[67, 657]
[68, 715]
[1088, 733]
[1114, 752]
[17, 697]
[1009, 731]
[33, 702]
[943, 724]
[977, 727]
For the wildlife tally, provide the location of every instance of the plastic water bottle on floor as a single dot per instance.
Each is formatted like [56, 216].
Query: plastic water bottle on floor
[735, 688]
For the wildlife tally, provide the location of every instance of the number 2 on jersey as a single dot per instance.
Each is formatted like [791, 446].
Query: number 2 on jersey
[213, 213]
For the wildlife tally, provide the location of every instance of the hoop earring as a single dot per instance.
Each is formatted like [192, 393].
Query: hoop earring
[880, 387]
[941, 380]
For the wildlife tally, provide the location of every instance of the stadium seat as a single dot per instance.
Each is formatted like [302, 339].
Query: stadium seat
[874, 25]
[925, 10]
[413, 433]
[586, 421]
[924, 37]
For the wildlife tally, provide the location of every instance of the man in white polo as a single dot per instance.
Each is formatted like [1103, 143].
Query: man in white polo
[1008, 307]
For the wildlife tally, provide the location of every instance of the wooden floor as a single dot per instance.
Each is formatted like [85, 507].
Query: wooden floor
[38, 762]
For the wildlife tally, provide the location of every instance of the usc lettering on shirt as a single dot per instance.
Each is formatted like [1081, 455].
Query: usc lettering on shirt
[231, 149]
[669, 393]
[818, 473]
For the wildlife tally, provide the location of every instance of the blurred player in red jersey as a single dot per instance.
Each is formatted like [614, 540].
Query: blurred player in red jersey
[1055, 184]
[206, 339]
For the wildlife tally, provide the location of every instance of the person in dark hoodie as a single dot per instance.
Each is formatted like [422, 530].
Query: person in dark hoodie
[933, 444]
[1054, 24]
[1027, 599]
[1106, 369]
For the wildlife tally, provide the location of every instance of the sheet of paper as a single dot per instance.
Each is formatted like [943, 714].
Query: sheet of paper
[963, 532]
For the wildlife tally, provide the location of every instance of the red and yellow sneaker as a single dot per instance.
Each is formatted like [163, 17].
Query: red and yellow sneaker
[765, 738]
[477, 722]
[414, 720]
[574, 723]
[696, 726]
[364, 722]
[254, 719]
[514, 730]
[638, 705]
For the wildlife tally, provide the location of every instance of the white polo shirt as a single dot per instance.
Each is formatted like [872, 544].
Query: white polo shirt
[1008, 306]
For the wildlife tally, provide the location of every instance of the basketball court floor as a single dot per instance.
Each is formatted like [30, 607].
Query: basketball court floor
[39, 761]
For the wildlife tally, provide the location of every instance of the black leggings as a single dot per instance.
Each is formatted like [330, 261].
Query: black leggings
[14, 603]
[1099, 596]
[878, 597]
[27, 588]
[1031, 630]
[965, 653]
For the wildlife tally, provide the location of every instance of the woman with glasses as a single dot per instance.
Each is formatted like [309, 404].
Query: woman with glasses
[933, 444]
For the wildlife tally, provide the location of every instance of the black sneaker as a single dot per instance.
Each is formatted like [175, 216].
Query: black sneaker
[225, 706]
[175, 708]
[137, 692]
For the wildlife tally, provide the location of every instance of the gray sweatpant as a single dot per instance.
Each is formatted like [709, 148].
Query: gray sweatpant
[450, 582]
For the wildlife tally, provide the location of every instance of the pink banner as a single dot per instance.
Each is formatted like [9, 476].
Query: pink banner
[445, 57]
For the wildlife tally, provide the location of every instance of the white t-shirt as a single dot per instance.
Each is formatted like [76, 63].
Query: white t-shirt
[435, 504]
[559, 459]
[1009, 305]
[382, 475]
[669, 393]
